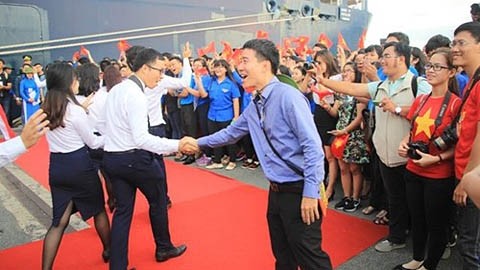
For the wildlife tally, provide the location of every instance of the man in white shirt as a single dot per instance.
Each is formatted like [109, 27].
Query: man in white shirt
[129, 159]
[34, 129]
[155, 110]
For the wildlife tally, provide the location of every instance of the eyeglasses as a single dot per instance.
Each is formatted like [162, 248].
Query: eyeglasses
[460, 43]
[388, 56]
[161, 70]
[436, 67]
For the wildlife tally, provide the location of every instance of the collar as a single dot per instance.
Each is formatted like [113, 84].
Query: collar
[267, 89]
[400, 78]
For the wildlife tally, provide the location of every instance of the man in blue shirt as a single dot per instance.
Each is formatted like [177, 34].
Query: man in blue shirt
[294, 168]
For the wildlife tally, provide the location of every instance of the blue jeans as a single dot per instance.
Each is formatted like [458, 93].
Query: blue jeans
[468, 235]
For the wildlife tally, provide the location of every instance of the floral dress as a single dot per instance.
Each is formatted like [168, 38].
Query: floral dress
[356, 149]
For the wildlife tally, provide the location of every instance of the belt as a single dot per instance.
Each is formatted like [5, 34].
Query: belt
[158, 126]
[287, 187]
[131, 151]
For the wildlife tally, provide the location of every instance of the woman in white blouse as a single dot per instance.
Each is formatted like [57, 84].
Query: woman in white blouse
[74, 183]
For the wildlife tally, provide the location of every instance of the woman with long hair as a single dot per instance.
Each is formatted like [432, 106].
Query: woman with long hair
[355, 153]
[429, 176]
[325, 114]
[224, 108]
[73, 179]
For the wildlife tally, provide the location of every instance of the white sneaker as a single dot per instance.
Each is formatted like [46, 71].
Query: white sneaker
[230, 166]
[387, 246]
[214, 166]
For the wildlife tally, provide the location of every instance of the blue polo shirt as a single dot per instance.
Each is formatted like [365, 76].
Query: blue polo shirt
[221, 96]
[246, 100]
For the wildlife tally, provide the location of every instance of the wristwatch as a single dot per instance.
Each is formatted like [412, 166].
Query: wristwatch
[398, 110]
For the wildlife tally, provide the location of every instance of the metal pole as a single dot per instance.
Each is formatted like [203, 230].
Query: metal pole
[148, 36]
[31, 44]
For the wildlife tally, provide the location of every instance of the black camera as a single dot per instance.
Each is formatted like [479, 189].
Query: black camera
[447, 139]
[308, 66]
[420, 146]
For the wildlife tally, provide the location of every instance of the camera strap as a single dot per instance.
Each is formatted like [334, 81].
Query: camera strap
[440, 115]
[475, 79]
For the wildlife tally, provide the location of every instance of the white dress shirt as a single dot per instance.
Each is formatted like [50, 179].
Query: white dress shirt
[97, 107]
[76, 133]
[126, 122]
[10, 150]
[154, 96]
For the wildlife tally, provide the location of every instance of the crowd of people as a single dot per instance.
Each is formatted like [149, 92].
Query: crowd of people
[397, 124]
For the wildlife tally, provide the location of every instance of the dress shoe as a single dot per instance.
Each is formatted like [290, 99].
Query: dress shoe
[400, 267]
[162, 256]
[189, 160]
[181, 158]
[106, 255]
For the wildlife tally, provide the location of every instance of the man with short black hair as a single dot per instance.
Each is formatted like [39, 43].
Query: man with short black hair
[290, 153]
[466, 54]
[394, 97]
[129, 158]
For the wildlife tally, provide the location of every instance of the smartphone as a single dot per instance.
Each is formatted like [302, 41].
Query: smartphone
[377, 102]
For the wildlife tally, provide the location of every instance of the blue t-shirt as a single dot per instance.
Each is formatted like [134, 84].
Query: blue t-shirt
[221, 96]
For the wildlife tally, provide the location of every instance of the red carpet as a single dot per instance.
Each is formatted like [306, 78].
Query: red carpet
[221, 220]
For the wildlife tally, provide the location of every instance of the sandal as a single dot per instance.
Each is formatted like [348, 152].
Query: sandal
[368, 210]
[381, 220]
[381, 214]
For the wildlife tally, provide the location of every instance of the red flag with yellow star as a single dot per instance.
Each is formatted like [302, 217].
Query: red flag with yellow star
[341, 42]
[210, 48]
[361, 40]
[323, 38]
[262, 34]
[227, 52]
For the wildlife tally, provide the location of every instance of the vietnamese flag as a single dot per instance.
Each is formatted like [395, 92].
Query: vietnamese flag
[83, 51]
[227, 52]
[76, 55]
[210, 48]
[262, 34]
[323, 38]
[123, 45]
[302, 42]
[361, 40]
[341, 42]
[237, 54]
[338, 145]
[201, 71]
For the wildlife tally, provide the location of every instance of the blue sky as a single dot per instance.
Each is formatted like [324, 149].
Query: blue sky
[419, 19]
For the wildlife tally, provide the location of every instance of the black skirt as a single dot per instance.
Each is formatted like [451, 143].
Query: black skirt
[324, 122]
[73, 177]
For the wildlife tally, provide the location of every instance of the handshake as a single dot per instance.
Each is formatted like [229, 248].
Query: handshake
[188, 145]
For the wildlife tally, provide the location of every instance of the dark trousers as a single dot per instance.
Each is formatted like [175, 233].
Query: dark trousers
[394, 181]
[188, 120]
[294, 243]
[248, 146]
[175, 120]
[428, 201]
[214, 126]
[128, 172]
[469, 235]
[160, 131]
[377, 195]
[201, 116]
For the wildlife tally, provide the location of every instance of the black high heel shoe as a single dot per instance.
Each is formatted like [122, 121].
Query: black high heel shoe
[106, 255]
